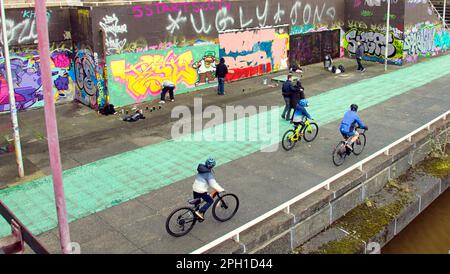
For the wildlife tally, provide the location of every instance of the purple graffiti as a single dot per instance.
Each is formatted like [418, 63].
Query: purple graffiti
[187, 7]
[27, 81]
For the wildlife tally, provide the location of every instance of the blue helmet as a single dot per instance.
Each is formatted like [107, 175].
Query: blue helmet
[303, 102]
[210, 163]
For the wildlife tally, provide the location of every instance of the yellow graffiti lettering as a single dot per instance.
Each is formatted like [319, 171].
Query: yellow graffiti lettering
[146, 77]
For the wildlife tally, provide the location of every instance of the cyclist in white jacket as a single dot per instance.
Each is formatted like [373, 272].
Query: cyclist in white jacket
[203, 181]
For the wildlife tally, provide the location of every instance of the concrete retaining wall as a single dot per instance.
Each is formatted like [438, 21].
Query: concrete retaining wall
[308, 217]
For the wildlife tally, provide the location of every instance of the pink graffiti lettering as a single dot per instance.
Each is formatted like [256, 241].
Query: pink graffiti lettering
[247, 39]
[188, 7]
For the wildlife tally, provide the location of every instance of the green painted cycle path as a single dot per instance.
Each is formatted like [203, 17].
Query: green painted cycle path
[108, 182]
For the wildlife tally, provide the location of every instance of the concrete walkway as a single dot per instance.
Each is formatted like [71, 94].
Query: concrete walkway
[138, 225]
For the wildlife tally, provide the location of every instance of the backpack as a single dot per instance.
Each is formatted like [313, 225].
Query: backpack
[108, 109]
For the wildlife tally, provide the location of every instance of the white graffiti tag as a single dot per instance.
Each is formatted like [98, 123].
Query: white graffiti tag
[174, 24]
[111, 27]
[23, 32]
[223, 19]
[203, 29]
[307, 13]
[278, 15]
[241, 16]
[263, 18]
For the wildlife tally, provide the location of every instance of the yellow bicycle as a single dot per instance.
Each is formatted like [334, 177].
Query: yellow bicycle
[306, 130]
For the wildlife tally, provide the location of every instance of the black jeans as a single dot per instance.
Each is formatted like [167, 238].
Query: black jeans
[205, 197]
[360, 66]
[165, 90]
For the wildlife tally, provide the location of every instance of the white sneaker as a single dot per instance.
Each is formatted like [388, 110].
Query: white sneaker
[162, 102]
[199, 215]
[173, 100]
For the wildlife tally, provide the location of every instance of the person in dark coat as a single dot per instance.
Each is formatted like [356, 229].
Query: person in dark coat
[359, 56]
[297, 95]
[221, 73]
[287, 91]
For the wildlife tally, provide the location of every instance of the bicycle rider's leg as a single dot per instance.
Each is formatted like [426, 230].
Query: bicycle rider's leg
[355, 137]
[209, 201]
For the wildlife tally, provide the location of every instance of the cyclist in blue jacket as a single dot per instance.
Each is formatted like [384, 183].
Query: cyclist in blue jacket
[348, 126]
[300, 112]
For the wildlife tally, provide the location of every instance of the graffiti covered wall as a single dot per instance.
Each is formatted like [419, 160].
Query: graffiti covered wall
[25, 67]
[89, 66]
[179, 26]
[137, 77]
[312, 47]
[25, 60]
[185, 23]
[365, 22]
[254, 52]
[425, 40]
[21, 26]
[424, 33]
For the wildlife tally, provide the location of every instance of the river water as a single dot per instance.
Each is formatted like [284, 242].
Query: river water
[428, 233]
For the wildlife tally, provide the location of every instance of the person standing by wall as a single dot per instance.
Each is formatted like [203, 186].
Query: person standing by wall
[167, 86]
[359, 56]
[221, 73]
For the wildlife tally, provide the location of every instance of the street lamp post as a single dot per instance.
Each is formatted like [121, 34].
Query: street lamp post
[51, 125]
[12, 98]
[387, 34]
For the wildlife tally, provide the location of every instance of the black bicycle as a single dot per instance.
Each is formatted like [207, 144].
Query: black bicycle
[340, 151]
[181, 221]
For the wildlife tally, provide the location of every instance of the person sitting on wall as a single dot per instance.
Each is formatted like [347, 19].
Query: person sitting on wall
[296, 69]
[167, 86]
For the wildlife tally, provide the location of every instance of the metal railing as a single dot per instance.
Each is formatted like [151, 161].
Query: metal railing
[285, 207]
[441, 17]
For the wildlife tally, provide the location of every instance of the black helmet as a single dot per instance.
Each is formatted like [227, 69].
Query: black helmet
[210, 163]
[354, 107]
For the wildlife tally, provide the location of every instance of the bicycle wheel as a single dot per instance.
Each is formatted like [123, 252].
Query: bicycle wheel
[339, 154]
[359, 145]
[225, 208]
[180, 221]
[287, 142]
[310, 133]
